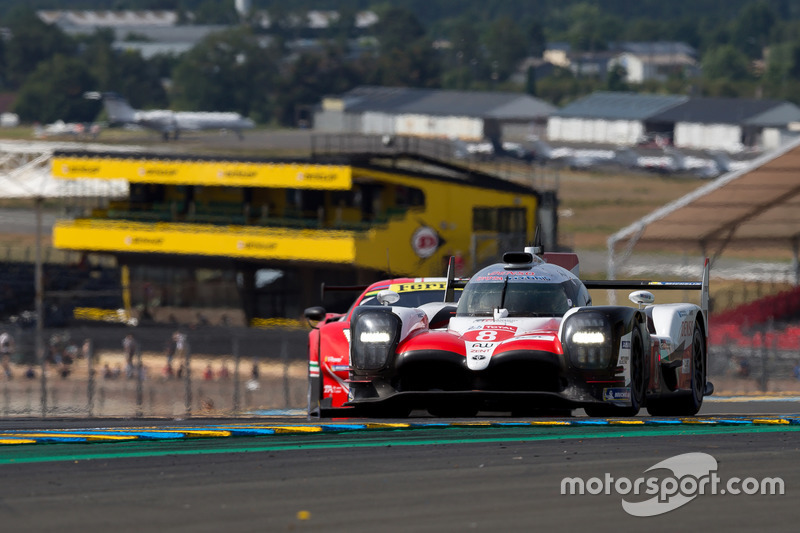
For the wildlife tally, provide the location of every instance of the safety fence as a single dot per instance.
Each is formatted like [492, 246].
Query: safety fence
[154, 372]
[216, 371]
[765, 364]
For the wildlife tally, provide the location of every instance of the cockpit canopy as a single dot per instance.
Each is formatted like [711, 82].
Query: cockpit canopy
[522, 295]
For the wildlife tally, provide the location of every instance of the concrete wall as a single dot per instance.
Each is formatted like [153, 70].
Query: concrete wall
[450, 127]
[625, 132]
[697, 136]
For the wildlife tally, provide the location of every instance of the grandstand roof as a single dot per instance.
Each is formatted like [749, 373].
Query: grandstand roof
[758, 206]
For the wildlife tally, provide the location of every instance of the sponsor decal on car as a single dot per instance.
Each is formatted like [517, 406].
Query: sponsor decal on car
[416, 287]
[513, 275]
[686, 366]
[488, 335]
[313, 369]
[617, 394]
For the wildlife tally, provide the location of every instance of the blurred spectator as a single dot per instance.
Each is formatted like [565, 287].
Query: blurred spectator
[6, 350]
[86, 349]
[744, 368]
[129, 347]
[208, 374]
[172, 348]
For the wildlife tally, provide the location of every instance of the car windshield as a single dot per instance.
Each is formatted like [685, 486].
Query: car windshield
[520, 299]
[412, 298]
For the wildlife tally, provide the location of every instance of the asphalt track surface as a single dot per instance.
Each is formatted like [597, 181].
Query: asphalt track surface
[421, 474]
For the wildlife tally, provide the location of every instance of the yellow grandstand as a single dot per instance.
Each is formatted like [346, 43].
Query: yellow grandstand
[265, 233]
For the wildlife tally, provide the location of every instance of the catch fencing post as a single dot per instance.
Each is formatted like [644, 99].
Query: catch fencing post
[285, 359]
[188, 379]
[139, 383]
[88, 353]
[236, 398]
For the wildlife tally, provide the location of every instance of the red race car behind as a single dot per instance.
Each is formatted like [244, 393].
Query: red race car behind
[329, 342]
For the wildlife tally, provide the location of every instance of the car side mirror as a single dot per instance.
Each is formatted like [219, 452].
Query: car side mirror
[314, 315]
[642, 298]
[500, 313]
[387, 297]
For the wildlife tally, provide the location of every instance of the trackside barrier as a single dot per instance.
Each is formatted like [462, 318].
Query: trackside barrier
[160, 372]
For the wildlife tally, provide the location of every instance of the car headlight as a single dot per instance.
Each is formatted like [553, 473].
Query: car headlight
[375, 334]
[588, 340]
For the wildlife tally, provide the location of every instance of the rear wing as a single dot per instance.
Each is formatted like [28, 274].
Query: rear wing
[339, 288]
[453, 283]
[701, 285]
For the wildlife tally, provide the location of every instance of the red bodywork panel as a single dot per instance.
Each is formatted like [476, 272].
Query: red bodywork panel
[329, 348]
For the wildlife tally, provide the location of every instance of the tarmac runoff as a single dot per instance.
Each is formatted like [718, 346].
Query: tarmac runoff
[10, 438]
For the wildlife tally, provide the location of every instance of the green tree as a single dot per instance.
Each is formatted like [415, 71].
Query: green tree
[506, 46]
[537, 41]
[397, 28]
[406, 55]
[464, 61]
[591, 28]
[99, 56]
[55, 92]
[124, 72]
[752, 28]
[645, 30]
[215, 12]
[615, 80]
[311, 77]
[31, 42]
[726, 63]
[3, 68]
[226, 71]
[139, 80]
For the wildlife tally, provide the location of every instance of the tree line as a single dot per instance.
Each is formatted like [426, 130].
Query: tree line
[746, 48]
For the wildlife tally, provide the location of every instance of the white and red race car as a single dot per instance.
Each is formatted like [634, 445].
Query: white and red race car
[525, 337]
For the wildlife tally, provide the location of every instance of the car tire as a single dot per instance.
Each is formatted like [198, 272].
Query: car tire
[638, 384]
[686, 403]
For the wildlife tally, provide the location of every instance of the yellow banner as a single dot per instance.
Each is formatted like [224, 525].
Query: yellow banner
[333, 247]
[209, 173]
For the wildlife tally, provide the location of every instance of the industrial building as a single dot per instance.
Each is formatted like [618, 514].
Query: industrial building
[434, 113]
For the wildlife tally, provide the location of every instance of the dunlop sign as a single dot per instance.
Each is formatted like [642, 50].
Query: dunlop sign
[208, 173]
